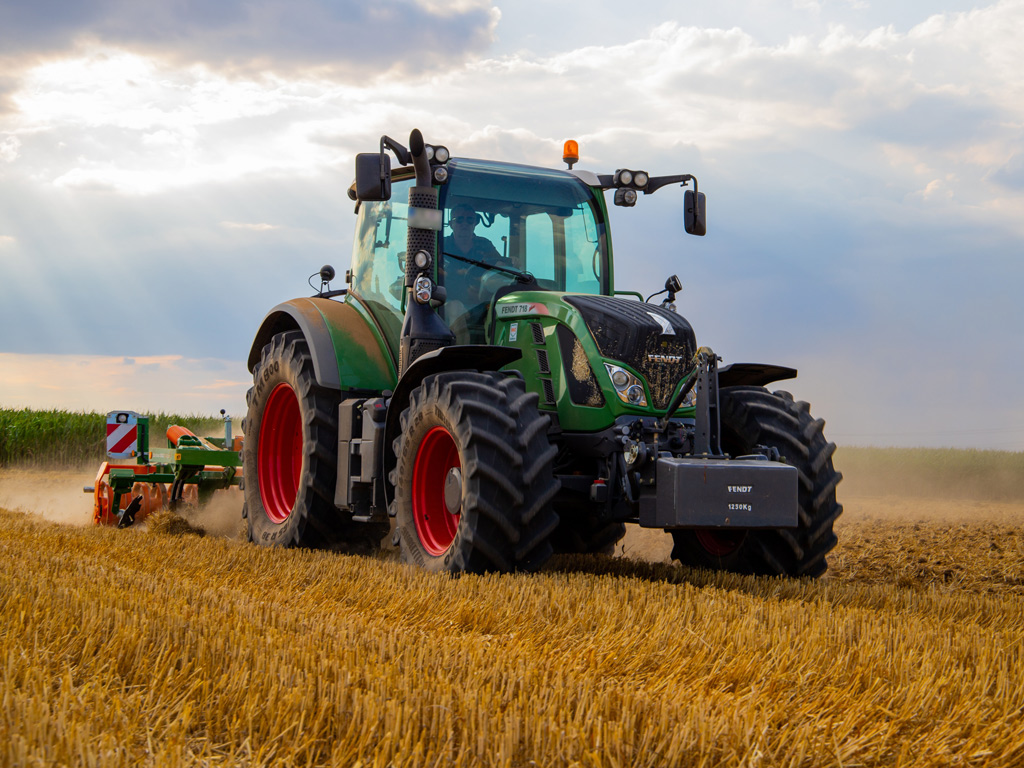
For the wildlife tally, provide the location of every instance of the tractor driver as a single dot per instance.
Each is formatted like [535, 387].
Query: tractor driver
[467, 301]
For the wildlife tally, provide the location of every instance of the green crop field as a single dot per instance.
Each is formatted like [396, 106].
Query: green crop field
[58, 438]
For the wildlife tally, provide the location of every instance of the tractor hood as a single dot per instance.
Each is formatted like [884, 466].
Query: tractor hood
[656, 342]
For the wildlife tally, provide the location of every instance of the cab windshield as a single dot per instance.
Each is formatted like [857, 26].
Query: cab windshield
[531, 220]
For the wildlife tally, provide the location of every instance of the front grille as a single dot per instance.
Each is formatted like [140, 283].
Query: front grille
[634, 333]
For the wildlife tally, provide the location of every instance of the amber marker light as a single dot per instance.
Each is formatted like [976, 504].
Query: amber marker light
[571, 153]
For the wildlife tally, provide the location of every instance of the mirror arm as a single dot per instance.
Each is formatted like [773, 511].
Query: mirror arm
[401, 153]
[657, 182]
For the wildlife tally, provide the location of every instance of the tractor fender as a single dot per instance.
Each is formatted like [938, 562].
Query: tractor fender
[348, 351]
[753, 374]
[463, 357]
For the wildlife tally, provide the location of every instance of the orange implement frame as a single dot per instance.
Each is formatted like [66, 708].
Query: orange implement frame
[147, 483]
[105, 507]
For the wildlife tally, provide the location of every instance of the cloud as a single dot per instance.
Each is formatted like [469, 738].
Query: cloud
[260, 227]
[1011, 173]
[338, 37]
[9, 149]
[139, 125]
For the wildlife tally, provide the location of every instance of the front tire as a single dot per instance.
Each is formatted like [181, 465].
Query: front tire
[290, 456]
[473, 478]
[752, 417]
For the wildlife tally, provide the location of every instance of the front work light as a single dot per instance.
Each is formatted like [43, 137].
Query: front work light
[627, 178]
[625, 197]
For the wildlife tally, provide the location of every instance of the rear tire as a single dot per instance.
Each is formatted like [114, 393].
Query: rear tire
[473, 478]
[290, 456]
[752, 416]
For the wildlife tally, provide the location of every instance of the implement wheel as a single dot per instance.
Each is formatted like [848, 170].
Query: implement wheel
[751, 417]
[290, 453]
[473, 479]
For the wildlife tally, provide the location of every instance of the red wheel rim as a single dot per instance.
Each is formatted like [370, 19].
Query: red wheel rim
[279, 453]
[435, 525]
[720, 543]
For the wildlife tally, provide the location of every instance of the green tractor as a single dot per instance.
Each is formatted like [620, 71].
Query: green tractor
[482, 392]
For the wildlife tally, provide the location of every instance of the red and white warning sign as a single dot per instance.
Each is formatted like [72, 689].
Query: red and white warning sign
[122, 434]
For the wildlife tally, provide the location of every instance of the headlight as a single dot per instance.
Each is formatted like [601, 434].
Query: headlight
[627, 386]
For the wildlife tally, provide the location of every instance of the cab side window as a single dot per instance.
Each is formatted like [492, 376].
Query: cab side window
[378, 257]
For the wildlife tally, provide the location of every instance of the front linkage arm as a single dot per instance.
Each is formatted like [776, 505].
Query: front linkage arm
[703, 376]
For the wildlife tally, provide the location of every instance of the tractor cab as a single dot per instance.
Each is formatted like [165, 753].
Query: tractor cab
[501, 225]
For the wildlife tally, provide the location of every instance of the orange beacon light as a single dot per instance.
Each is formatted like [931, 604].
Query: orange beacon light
[571, 153]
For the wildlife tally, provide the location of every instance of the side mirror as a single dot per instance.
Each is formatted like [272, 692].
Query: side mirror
[373, 176]
[695, 215]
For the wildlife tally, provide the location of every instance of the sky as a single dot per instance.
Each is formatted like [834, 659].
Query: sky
[170, 171]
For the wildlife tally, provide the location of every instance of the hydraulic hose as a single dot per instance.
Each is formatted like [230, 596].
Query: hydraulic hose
[700, 357]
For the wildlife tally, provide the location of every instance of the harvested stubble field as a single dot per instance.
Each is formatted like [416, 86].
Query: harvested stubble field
[162, 648]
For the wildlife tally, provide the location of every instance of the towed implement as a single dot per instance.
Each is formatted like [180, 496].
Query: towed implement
[138, 480]
[483, 393]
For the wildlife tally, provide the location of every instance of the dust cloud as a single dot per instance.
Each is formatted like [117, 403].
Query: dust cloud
[861, 514]
[221, 516]
[56, 496]
[918, 510]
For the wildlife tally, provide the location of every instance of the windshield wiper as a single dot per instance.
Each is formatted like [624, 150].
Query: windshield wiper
[522, 277]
